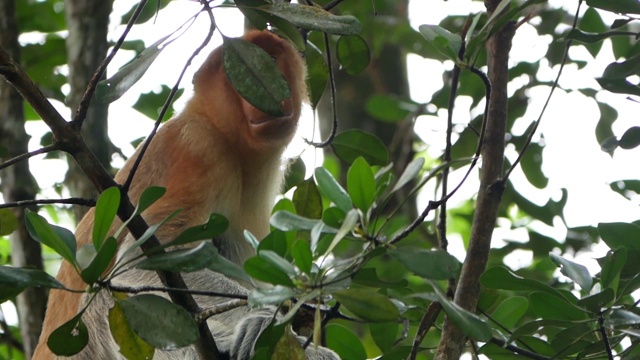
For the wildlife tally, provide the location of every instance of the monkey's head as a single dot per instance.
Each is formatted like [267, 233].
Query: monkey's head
[242, 123]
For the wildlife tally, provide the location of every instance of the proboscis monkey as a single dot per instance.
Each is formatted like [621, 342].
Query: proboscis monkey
[220, 154]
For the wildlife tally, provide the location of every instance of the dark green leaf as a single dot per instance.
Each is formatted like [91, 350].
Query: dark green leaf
[445, 42]
[409, 174]
[621, 70]
[255, 75]
[591, 21]
[148, 12]
[106, 209]
[70, 338]
[469, 323]
[278, 262]
[353, 54]
[307, 200]
[384, 335]
[186, 260]
[317, 74]
[430, 264]
[58, 238]
[148, 197]
[215, 226]
[174, 328]
[261, 269]
[618, 6]
[151, 103]
[361, 184]
[330, 188]
[608, 115]
[549, 306]
[302, 256]
[617, 235]
[588, 37]
[226, 267]
[596, 302]
[314, 18]
[573, 271]
[613, 265]
[532, 166]
[14, 280]
[619, 86]
[286, 221]
[631, 138]
[509, 312]
[295, 174]
[112, 89]
[389, 109]
[101, 261]
[344, 342]
[40, 16]
[609, 145]
[626, 188]
[131, 345]
[501, 278]
[8, 222]
[368, 305]
[351, 144]
[288, 347]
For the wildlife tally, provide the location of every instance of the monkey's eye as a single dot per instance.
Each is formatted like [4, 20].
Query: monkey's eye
[275, 59]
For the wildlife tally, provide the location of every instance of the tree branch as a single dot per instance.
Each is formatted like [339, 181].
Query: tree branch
[69, 201]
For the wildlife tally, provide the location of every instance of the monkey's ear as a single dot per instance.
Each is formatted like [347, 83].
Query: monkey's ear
[255, 75]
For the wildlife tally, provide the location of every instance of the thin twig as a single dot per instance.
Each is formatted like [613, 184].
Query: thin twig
[83, 106]
[203, 315]
[68, 201]
[334, 105]
[332, 4]
[425, 324]
[519, 351]
[144, 289]
[25, 156]
[170, 98]
[536, 124]
[605, 337]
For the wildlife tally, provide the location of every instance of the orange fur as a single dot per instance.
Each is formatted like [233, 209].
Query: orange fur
[219, 155]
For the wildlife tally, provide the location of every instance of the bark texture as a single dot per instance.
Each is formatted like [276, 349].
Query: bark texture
[491, 188]
[87, 21]
[18, 184]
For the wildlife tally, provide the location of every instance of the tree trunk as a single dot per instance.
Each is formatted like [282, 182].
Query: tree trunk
[18, 184]
[87, 21]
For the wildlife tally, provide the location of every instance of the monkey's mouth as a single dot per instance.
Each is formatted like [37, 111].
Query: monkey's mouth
[262, 118]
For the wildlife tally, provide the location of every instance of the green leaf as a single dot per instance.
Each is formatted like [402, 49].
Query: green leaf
[261, 269]
[288, 347]
[215, 226]
[447, 43]
[613, 265]
[226, 267]
[368, 305]
[361, 184]
[302, 256]
[349, 223]
[618, 86]
[286, 221]
[330, 188]
[314, 18]
[275, 241]
[353, 54]
[278, 262]
[631, 138]
[185, 260]
[626, 188]
[501, 278]
[390, 108]
[8, 222]
[509, 312]
[101, 261]
[131, 345]
[351, 144]
[317, 74]
[549, 306]
[255, 75]
[589, 37]
[576, 272]
[620, 235]
[174, 328]
[57, 238]
[14, 280]
[295, 174]
[469, 323]
[70, 338]
[148, 197]
[307, 200]
[409, 174]
[106, 210]
[344, 342]
[621, 70]
[596, 302]
[384, 335]
[430, 264]
[618, 6]
[150, 103]
[274, 295]
[112, 89]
